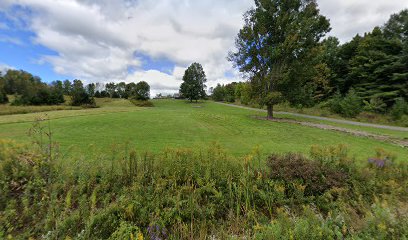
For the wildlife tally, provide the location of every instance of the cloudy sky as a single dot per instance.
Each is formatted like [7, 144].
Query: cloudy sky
[154, 41]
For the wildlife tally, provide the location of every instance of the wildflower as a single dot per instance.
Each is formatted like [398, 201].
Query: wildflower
[380, 163]
[280, 188]
[139, 236]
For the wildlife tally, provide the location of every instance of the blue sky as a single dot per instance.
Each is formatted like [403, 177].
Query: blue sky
[18, 51]
[154, 41]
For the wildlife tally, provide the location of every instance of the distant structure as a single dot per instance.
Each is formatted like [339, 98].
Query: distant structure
[168, 96]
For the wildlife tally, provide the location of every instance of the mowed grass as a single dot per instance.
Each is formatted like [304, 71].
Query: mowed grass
[173, 123]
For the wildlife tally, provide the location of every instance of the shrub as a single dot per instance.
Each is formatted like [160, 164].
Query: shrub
[349, 106]
[316, 176]
[140, 103]
[105, 223]
[334, 103]
[126, 231]
[3, 97]
[399, 109]
[375, 105]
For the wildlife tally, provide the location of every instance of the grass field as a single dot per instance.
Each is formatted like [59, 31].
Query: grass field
[187, 187]
[179, 124]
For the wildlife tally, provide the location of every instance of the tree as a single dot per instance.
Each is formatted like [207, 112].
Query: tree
[218, 93]
[142, 91]
[111, 89]
[79, 94]
[3, 95]
[90, 89]
[193, 86]
[375, 68]
[67, 87]
[130, 90]
[121, 90]
[276, 34]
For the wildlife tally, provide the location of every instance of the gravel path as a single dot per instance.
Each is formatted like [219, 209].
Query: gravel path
[402, 129]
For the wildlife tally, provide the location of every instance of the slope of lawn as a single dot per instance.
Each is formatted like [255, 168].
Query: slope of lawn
[173, 123]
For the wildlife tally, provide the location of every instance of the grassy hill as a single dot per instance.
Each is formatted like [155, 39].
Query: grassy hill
[173, 123]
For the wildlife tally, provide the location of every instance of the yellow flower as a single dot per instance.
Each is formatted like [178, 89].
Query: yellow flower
[344, 230]
[280, 188]
[382, 227]
[139, 236]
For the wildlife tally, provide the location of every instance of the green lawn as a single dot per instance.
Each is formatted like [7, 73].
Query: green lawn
[174, 123]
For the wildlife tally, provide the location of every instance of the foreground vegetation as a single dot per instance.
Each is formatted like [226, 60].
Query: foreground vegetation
[200, 194]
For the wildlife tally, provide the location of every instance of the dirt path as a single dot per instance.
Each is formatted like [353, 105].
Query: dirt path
[383, 138]
[402, 129]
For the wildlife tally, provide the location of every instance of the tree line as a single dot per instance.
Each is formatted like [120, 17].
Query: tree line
[30, 90]
[282, 51]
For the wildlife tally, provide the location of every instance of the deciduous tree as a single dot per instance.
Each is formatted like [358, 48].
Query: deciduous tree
[193, 86]
[276, 33]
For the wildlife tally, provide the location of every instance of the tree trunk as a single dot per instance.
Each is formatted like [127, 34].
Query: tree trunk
[270, 111]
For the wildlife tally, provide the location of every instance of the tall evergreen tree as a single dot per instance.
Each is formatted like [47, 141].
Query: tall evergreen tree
[373, 68]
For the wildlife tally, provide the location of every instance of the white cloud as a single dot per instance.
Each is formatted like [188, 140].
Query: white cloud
[5, 67]
[97, 40]
[349, 17]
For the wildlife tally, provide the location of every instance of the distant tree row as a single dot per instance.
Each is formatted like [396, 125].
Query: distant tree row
[232, 92]
[138, 91]
[30, 90]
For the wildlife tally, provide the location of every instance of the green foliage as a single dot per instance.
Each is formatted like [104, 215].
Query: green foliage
[218, 93]
[29, 89]
[193, 86]
[3, 94]
[79, 95]
[139, 103]
[269, 43]
[142, 91]
[229, 92]
[315, 177]
[399, 109]
[126, 231]
[375, 105]
[273, 98]
[349, 106]
[184, 194]
[3, 97]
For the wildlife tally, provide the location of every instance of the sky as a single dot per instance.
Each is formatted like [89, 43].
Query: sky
[145, 40]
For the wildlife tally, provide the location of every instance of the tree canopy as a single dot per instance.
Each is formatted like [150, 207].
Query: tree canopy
[142, 91]
[193, 86]
[276, 34]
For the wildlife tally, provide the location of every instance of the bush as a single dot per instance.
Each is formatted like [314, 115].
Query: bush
[105, 223]
[140, 103]
[126, 231]
[375, 105]
[314, 175]
[3, 97]
[349, 106]
[399, 109]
